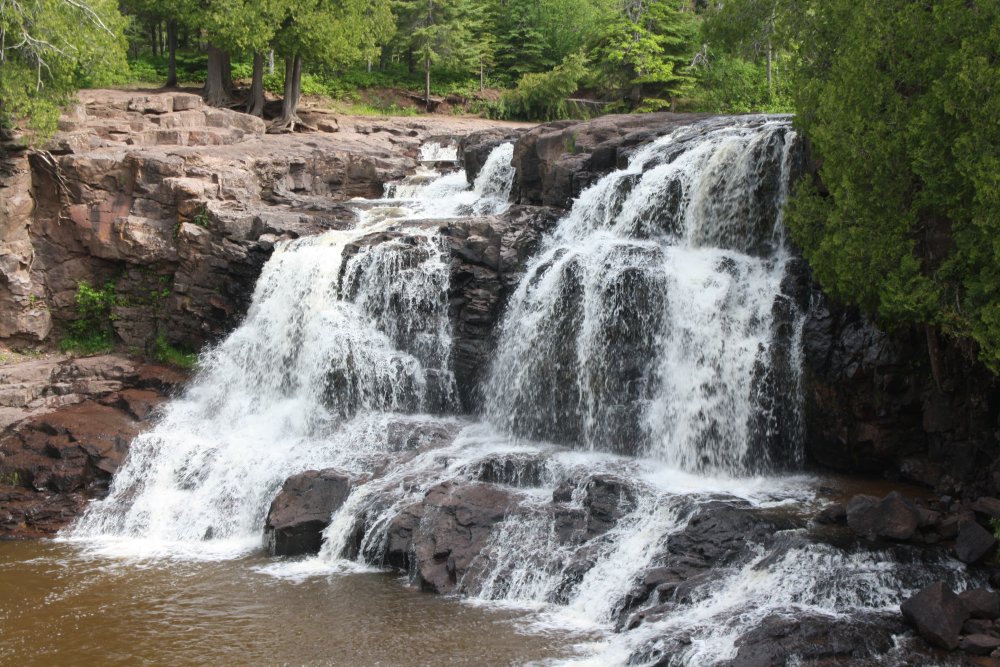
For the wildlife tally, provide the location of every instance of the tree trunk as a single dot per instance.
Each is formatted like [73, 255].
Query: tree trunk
[153, 41]
[290, 103]
[427, 83]
[227, 75]
[255, 101]
[171, 54]
[215, 92]
[635, 95]
[270, 62]
[383, 61]
[770, 86]
[482, 76]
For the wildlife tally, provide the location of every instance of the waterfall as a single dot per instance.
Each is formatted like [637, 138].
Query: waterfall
[647, 323]
[646, 376]
[341, 334]
[449, 196]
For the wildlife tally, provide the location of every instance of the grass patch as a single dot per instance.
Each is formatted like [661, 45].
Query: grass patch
[10, 478]
[166, 353]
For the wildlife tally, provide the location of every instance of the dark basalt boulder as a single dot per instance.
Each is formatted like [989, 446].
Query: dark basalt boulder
[981, 603]
[814, 640]
[834, 513]
[979, 644]
[937, 614]
[302, 510]
[973, 543]
[439, 539]
[604, 499]
[892, 517]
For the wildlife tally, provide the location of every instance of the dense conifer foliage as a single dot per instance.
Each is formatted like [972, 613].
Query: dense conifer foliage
[900, 101]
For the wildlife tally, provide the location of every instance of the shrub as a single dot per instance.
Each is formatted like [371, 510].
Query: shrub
[91, 331]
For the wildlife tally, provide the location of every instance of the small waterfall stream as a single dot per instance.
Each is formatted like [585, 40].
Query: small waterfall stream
[645, 377]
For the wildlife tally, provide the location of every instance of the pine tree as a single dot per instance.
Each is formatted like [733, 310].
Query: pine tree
[644, 48]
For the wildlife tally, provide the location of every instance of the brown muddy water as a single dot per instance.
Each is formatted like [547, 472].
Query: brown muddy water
[61, 607]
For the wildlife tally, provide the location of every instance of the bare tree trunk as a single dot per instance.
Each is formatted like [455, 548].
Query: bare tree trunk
[255, 101]
[171, 54]
[427, 83]
[215, 92]
[482, 76]
[770, 85]
[635, 95]
[154, 43]
[227, 75]
[290, 103]
[270, 62]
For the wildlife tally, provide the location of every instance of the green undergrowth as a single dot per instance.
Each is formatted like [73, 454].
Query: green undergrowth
[91, 331]
[166, 353]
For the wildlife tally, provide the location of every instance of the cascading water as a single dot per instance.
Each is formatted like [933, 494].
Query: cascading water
[647, 323]
[655, 333]
[339, 334]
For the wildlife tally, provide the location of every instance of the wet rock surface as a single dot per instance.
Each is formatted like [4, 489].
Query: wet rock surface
[302, 510]
[909, 405]
[556, 161]
[68, 433]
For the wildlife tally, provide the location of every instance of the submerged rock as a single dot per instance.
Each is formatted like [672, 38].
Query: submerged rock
[302, 510]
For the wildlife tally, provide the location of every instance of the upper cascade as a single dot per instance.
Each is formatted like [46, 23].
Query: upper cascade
[339, 330]
[653, 321]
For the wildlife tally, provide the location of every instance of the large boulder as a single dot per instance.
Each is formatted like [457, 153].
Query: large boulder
[439, 539]
[937, 614]
[302, 509]
[892, 517]
[981, 603]
[973, 543]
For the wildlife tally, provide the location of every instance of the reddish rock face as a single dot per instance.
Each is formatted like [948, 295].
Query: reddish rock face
[179, 205]
[66, 446]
